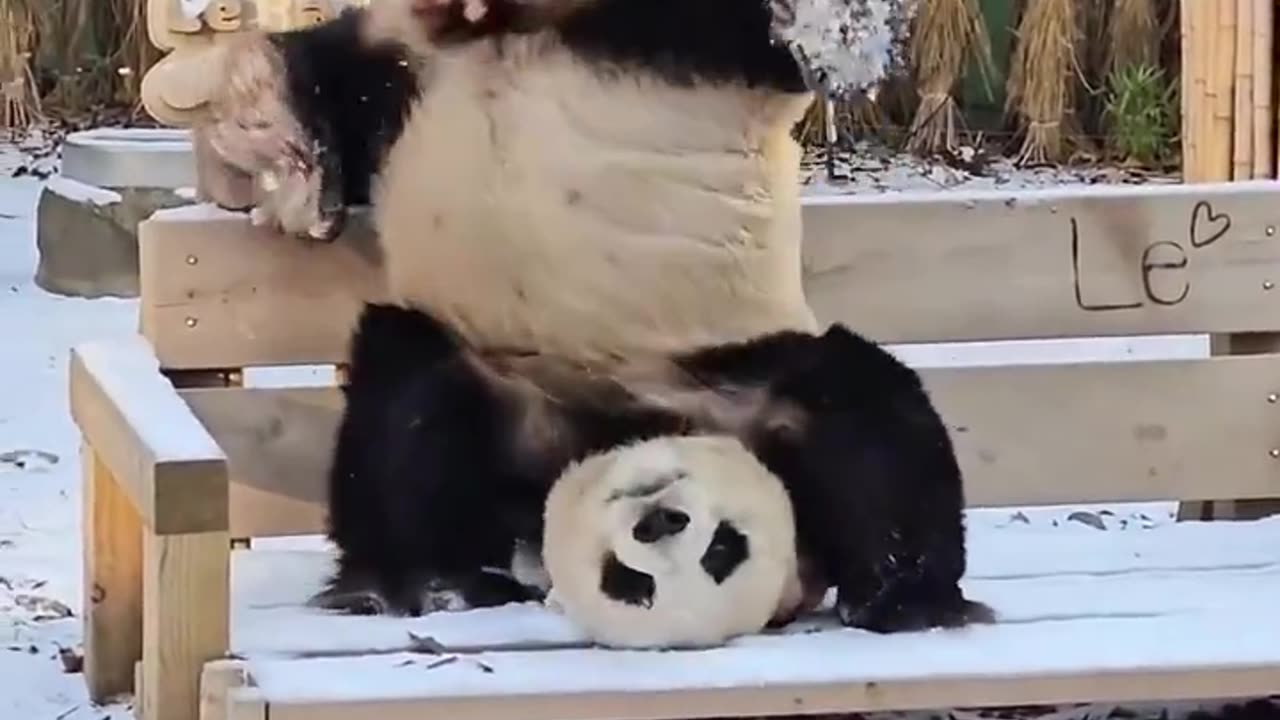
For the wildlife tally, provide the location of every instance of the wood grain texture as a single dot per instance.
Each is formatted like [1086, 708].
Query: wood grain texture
[1138, 684]
[186, 593]
[278, 444]
[909, 267]
[112, 590]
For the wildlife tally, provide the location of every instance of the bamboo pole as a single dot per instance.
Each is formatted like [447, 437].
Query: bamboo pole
[1221, 95]
[1263, 49]
[1190, 158]
[1242, 92]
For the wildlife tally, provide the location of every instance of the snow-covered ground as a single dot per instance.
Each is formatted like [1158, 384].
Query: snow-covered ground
[40, 581]
[39, 474]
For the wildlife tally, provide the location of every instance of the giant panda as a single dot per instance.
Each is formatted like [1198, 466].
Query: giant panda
[675, 541]
[447, 452]
[593, 178]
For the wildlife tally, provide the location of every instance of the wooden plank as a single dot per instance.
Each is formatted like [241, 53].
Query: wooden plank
[186, 592]
[219, 292]
[278, 445]
[786, 699]
[163, 458]
[112, 558]
[909, 267]
[989, 265]
[1038, 434]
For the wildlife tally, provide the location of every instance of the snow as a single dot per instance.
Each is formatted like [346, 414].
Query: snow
[77, 191]
[129, 374]
[1032, 572]
[40, 545]
[40, 473]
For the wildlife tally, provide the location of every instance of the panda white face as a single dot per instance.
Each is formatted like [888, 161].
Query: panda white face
[672, 542]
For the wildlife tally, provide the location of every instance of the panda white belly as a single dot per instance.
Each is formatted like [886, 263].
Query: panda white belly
[517, 159]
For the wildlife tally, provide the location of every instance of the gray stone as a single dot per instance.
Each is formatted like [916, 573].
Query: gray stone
[87, 236]
[130, 157]
[87, 218]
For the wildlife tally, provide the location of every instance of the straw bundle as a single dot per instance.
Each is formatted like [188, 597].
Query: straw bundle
[945, 34]
[19, 101]
[1134, 34]
[1041, 81]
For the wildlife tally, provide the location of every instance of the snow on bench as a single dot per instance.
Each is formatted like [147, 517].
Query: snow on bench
[1080, 594]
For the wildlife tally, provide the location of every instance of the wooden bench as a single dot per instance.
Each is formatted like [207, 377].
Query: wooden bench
[184, 464]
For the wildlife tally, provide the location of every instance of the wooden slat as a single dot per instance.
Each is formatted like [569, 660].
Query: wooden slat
[163, 458]
[1039, 434]
[911, 267]
[1065, 262]
[218, 292]
[278, 443]
[1139, 684]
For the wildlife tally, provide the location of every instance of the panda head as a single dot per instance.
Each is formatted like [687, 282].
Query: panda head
[672, 541]
[664, 522]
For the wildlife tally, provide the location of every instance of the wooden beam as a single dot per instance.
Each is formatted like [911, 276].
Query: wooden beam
[907, 267]
[112, 558]
[155, 448]
[186, 593]
[278, 444]
[1038, 434]
[989, 265]
[780, 698]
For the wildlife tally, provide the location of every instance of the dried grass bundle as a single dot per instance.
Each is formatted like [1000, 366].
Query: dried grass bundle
[1041, 82]
[19, 100]
[1134, 34]
[945, 34]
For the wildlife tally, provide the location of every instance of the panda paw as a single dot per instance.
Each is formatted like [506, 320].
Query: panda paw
[291, 202]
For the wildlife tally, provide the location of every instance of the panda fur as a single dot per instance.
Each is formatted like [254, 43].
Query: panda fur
[446, 454]
[671, 542]
[311, 114]
[556, 151]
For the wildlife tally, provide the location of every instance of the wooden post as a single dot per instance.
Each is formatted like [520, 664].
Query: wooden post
[1263, 44]
[1242, 120]
[186, 592]
[112, 537]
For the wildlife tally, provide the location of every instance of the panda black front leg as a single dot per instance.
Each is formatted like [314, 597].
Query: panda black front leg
[422, 506]
[877, 488]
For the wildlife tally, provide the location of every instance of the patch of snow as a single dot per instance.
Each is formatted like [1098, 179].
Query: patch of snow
[79, 192]
[40, 483]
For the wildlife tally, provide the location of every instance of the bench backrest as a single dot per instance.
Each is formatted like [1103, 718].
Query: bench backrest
[220, 295]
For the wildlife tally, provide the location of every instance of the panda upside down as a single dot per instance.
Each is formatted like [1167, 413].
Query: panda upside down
[446, 454]
[569, 196]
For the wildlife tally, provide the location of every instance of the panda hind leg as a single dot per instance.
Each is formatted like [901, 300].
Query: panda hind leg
[876, 485]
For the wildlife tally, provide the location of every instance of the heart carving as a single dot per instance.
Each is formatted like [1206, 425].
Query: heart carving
[1206, 225]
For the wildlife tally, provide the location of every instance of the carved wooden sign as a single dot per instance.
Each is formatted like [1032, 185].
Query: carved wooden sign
[1065, 262]
[176, 89]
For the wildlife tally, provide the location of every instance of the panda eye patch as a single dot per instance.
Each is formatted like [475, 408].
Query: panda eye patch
[728, 550]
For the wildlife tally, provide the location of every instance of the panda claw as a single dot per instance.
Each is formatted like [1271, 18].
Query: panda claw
[352, 602]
